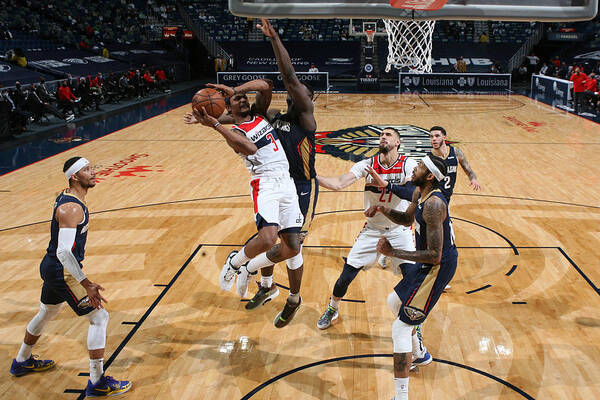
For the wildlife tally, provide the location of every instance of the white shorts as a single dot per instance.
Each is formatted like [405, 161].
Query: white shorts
[364, 250]
[276, 203]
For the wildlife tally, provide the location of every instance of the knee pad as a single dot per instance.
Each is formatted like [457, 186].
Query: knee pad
[347, 276]
[98, 317]
[97, 330]
[46, 314]
[295, 262]
[402, 336]
[394, 303]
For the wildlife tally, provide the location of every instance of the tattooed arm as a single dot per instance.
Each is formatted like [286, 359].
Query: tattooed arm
[434, 213]
[398, 217]
[462, 159]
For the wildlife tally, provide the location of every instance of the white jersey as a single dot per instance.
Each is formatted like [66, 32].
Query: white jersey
[269, 159]
[398, 173]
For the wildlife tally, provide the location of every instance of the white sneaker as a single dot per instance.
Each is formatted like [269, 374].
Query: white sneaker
[425, 359]
[383, 261]
[448, 287]
[243, 279]
[228, 272]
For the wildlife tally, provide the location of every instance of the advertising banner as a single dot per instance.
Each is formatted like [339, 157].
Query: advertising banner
[553, 91]
[454, 83]
[319, 81]
[338, 58]
[76, 62]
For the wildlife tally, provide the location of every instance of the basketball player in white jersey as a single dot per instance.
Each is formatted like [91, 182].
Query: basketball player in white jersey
[276, 206]
[396, 169]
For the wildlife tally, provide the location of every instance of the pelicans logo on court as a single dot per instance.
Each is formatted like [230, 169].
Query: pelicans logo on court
[362, 142]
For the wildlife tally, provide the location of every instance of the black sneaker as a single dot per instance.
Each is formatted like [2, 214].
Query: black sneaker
[287, 314]
[264, 295]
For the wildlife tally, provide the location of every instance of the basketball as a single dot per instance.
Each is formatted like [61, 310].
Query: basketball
[212, 101]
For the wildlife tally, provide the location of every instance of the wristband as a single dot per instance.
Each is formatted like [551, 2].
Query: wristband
[217, 124]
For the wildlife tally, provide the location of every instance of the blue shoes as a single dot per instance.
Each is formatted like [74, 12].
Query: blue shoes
[422, 361]
[30, 365]
[107, 386]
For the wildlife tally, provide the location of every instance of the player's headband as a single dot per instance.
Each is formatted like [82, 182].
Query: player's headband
[432, 168]
[75, 168]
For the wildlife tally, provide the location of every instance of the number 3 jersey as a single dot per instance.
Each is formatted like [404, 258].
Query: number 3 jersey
[269, 159]
[398, 173]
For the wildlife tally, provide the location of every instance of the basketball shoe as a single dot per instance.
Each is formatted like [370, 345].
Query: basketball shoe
[243, 279]
[264, 295]
[107, 386]
[287, 314]
[227, 276]
[30, 365]
[425, 359]
[327, 318]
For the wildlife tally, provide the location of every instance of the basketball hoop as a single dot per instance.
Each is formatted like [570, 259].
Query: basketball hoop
[370, 35]
[409, 44]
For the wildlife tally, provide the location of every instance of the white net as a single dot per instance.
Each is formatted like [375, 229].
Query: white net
[409, 44]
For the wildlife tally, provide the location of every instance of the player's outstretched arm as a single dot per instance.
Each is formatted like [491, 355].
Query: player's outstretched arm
[239, 143]
[302, 101]
[462, 159]
[337, 182]
[404, 191]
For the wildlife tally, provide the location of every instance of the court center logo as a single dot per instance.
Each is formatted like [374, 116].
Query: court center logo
[362, 142]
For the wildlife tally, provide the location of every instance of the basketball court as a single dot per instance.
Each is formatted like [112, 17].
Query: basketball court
[521, 321]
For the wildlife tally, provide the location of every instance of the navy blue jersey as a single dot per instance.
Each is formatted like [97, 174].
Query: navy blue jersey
[299, 146]
[448, 248]
[82, 228]
[447, 185]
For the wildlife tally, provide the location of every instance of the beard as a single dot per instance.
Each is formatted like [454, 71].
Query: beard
[245, 113]
[89, 184]
[383, 149]
[418, 181]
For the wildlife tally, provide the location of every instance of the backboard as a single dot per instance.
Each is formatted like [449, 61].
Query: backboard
[504, 10]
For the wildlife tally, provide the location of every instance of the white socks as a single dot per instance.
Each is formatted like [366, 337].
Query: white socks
[334, 303]
[401, 388]
[294, 298]
[239, 258]
[24, 352]
[96, 369]
[266, 281]
[258, 262]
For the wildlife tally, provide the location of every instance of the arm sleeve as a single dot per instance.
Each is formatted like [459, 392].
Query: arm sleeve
[360, 168]
[66, 240]
[405, 191]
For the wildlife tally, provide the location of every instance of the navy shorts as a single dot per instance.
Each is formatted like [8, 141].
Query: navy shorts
[59, 287]
[420, 289]
[308, 194]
